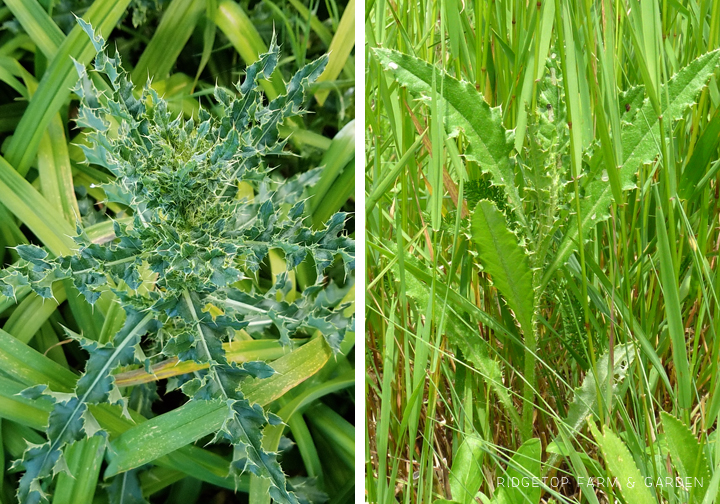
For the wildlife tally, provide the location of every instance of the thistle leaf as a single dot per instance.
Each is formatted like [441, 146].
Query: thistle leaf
[243, 428]
[504, 259]
[622, 466]
[585, 398]
[687, 454]
[640, 141]
[67, 420]
[488, 144]
[96, 385]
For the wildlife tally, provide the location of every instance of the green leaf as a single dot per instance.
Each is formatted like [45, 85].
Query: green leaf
[23, 200]
[382, 186]
[197, 419]
[58, 79]
[83, 459]
[466, 110]
[336, 161]
[342, 188]
[673, 309]
[38, 25]
[702, 154]
[466, 472]
[525, 463]
[32, 313]
[687, 454]
[622, 466]
[585, 399]
[640, 141]
[208, 37]
[19, 409]
[340, 48]
[507, 262]
[176, 26]
[56, 180]
[191, 460]
[29, 367]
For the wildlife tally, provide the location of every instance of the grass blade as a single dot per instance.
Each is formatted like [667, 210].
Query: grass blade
[340, 48]
[673, 312]
[34, 211]
[188, 423]
[177, 25]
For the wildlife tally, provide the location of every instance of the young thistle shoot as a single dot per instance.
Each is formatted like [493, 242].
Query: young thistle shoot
[192, 238]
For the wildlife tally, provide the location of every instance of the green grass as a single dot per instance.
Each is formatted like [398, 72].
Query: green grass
[160, 450]
[541, 250]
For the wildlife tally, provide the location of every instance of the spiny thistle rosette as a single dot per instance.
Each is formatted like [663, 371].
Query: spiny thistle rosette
[176, 268]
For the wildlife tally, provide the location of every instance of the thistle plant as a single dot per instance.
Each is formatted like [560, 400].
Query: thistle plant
[206, 212]
[523, 257]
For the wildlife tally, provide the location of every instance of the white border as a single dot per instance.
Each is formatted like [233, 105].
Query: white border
[360, 251]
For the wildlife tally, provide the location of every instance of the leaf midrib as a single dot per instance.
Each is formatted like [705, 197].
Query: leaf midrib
[119, 349]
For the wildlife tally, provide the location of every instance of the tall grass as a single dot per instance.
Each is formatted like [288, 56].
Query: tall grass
[542, 273]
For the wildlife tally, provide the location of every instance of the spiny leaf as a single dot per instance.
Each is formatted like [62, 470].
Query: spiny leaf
[192, 239]
[69, 418]
[622, 466]
[630, 102]
[552, 111]
[488, 144]
[243, 428]
[504, 259]
[640, 141]
[307, 490]
[687, 454]
[585, 399]
[96, 385]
